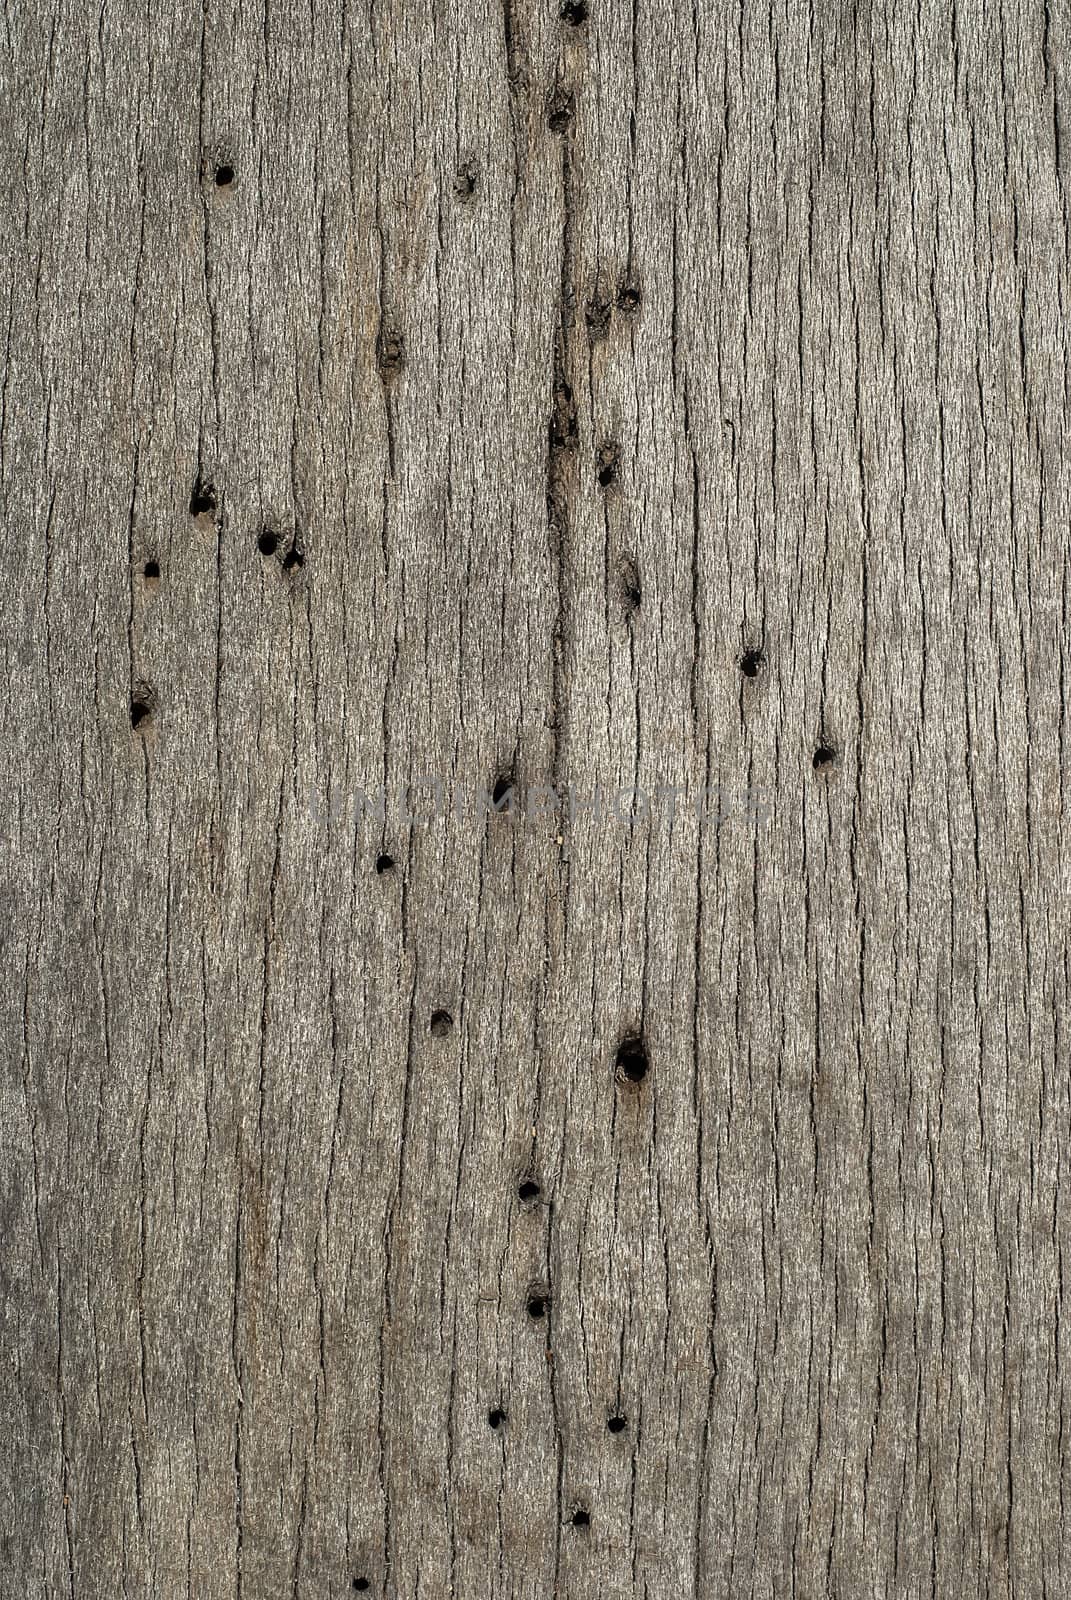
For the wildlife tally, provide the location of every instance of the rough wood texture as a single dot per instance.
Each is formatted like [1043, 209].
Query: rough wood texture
[399, 394]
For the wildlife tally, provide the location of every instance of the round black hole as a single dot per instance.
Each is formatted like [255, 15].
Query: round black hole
[529, 1189]
[391, 350]
[561, 112]
[606, 466]
[617, 1424]
[628, 299]
[581, 1518]
[384, 863]
[293, 559]
[824, 758]
[751, 663]
[537, 1307]
[495, 1418]
[597, 316]
[140, 711]
[502, 794]
[441, 1023]
[268, 542]
[360, 1584]
[468, 175]
[632, 1059]
[224, 176]
[631, 588]
[151, 571]
[202, 500]
[574, 12]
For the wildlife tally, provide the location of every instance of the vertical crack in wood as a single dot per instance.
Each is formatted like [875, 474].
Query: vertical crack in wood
[239, 1369]
[210, 293]
[516, 62]
[561, 468]
[390, 355]
[562, 438]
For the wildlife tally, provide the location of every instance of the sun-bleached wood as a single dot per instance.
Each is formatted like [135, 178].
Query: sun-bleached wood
[660, 411]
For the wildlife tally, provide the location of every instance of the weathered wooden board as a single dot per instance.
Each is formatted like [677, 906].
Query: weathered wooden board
[663, 411]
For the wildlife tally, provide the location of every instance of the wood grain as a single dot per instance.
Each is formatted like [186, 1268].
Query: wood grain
[661, 412]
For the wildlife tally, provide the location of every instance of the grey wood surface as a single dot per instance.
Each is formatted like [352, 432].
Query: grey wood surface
[427, 398]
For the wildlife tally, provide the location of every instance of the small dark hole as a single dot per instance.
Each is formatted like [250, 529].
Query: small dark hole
[752, 663]
[268, 543]
[293, 559]
[581, 1518]
[502, 794]
[537, 1307]
[468, 176]
[617, 1424]
[561, 111]
[384, 864]
[441, 1023]
[574, 12]
[564, 429]
[607, 465]
[391, 351]
[202, 500]
[628, 299]
[140, 711]
[360, 1584]
[597, 316]
[224, 177]
[632, 1059]
[496, 1418]
[824, 757]
[631, 588]
[151, 571]
[528, 1190]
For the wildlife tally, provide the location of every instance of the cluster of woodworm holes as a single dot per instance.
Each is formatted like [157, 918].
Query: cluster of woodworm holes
[631, 1059]
[269, 543]
[631, 1062]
